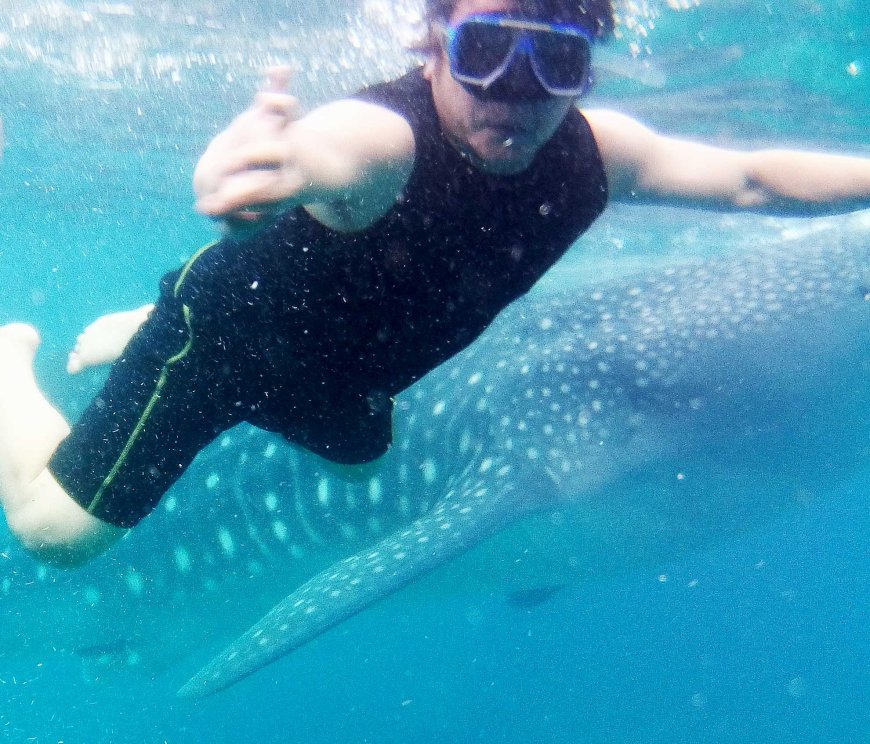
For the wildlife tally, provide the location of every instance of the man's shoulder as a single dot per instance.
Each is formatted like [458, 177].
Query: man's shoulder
[412, 81]
[409, 95]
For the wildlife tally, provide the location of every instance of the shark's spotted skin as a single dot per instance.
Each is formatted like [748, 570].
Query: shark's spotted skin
[686, 373]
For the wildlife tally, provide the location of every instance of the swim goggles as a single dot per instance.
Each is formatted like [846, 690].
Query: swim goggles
[482, 48]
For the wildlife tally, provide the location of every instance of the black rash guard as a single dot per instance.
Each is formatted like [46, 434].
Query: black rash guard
[309, 332]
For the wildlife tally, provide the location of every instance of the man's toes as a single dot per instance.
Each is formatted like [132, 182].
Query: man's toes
[74, 363]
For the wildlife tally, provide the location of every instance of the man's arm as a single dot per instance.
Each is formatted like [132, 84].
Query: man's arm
[645, 167]
[345, 162]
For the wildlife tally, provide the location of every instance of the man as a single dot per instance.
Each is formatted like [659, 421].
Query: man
[393, 227]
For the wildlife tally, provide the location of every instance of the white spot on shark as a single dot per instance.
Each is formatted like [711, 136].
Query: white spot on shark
[134, 582]
[226, 542]
[279, 529]
[375, 491]
[182, 560]
[430, 471]
[323, 491]
[464, 441]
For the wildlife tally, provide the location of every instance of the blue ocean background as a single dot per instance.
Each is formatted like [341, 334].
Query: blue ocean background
[762, 637]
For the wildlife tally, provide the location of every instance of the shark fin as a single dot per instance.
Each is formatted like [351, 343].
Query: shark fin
[481, 506]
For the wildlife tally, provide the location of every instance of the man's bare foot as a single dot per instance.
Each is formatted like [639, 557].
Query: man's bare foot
[104, 339]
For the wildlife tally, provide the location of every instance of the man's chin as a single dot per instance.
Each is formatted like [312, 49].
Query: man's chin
[505, 156]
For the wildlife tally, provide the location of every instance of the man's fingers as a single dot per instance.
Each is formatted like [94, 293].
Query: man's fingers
[274, 97]
[266, 155]
[281, 104]
[258, 190]
[277, 79]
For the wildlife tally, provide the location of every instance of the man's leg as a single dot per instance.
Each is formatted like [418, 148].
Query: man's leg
[43, 517]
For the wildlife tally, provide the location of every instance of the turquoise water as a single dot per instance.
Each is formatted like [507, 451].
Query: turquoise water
[759, 638]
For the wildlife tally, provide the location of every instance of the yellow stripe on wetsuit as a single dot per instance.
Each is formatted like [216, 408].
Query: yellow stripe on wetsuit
[161, 382]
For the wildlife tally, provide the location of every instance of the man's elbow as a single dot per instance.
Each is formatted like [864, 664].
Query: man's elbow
[754, 197]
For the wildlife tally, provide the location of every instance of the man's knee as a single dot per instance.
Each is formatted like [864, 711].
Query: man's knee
[53, 528]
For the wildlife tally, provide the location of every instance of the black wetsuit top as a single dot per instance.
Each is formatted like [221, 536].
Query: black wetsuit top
[308, 332]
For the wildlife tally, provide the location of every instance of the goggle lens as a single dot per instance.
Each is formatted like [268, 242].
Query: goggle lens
[481, 50]
[561, 61]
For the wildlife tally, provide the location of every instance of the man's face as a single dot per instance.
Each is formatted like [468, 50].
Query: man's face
[499, 136]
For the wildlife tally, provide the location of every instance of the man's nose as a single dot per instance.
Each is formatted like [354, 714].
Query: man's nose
[518, 83]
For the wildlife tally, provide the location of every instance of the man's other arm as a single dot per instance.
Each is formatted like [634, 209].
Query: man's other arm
[645, 167]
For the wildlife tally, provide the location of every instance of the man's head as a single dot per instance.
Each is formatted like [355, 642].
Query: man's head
[504, 73]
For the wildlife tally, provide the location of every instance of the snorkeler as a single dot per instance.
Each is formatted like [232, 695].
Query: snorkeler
[391, 228]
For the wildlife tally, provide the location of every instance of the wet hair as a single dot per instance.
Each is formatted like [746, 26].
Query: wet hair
[594, 15]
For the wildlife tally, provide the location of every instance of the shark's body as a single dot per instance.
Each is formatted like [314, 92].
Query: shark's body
[584, 430]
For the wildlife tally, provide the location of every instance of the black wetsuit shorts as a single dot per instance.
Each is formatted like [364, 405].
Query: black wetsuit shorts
[207, 359]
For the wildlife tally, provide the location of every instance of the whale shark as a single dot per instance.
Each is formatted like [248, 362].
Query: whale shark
[591, 427]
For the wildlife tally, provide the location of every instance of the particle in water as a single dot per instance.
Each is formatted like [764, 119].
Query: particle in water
[797, 687]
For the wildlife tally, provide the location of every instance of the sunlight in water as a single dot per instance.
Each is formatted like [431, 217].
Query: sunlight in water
[167, 42]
